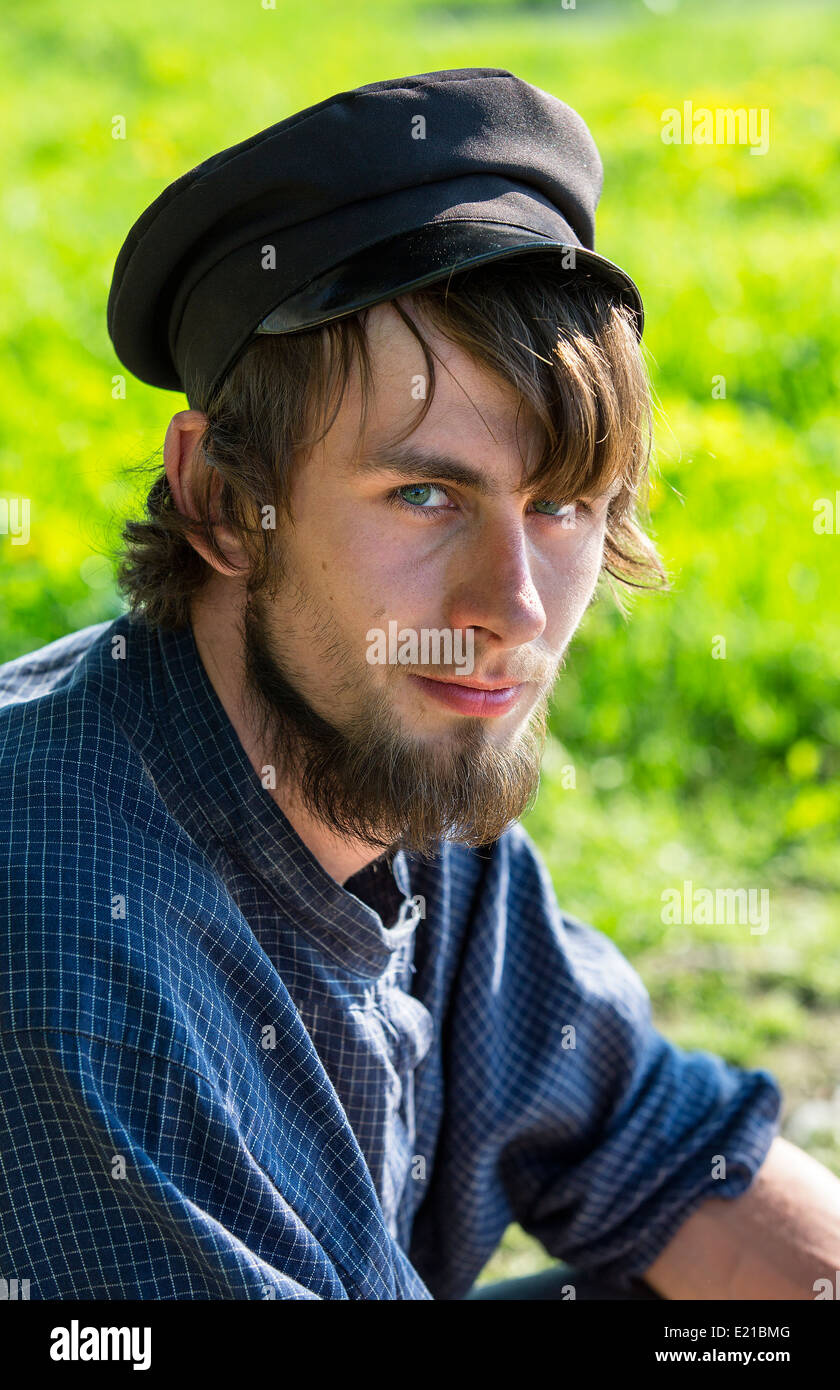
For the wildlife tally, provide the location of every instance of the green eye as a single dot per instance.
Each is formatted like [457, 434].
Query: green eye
[414, 489]
[413, 497]
[556, 508]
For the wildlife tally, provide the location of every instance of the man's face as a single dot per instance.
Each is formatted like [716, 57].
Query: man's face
[445, 747]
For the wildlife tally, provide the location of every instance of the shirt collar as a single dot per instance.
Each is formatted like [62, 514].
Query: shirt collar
[220, 796]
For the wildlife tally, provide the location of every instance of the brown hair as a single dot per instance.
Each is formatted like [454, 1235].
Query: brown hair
[561, 341]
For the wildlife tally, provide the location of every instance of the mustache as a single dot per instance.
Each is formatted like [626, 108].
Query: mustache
[539, 672]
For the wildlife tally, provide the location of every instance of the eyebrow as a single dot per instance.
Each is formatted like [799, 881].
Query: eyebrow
[411, 462]
[414, 463]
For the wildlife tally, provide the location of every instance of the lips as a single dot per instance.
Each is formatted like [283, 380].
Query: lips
[485, 700]
[475, 684]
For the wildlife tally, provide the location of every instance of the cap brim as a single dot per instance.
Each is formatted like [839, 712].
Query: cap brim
[416, 258]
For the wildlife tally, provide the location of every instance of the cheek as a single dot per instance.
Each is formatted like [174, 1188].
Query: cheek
[571, 582]
[588, 564]
[378, 573]
[358, 574]
[588, 558]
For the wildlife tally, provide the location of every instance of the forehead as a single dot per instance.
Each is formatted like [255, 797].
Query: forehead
[470, 404]
[477, 430]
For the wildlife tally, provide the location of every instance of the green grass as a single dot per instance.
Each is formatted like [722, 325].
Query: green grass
[725, 772]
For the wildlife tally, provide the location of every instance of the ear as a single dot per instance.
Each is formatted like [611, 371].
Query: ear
[181, 458]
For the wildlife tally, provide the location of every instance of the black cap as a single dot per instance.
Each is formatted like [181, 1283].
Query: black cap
[364, 196]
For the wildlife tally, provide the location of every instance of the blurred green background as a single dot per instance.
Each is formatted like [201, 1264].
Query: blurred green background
[722, 772]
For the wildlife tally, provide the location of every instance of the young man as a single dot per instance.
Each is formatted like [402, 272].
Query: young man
[288, 1006]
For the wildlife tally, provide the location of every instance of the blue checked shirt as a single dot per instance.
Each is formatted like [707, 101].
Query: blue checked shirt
[225, 1075]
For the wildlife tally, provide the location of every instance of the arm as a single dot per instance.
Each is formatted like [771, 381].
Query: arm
[604, 1134]
[772, 1242]
[106, 1192]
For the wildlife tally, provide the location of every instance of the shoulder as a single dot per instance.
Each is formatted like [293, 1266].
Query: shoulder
[93, 868]
[35, 673]
[48, 709]
[66, 758]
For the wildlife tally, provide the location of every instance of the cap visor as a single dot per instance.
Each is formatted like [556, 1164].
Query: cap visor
[416, 258]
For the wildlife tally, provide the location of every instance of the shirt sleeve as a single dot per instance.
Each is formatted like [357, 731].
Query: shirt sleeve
[598, 1134]
[98, 1201]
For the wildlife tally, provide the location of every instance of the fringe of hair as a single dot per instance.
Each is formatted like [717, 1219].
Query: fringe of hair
[560, 340]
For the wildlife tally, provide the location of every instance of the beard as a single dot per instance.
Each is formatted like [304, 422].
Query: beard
[367, 779]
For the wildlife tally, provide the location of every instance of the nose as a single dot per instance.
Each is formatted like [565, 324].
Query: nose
[494, 587]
